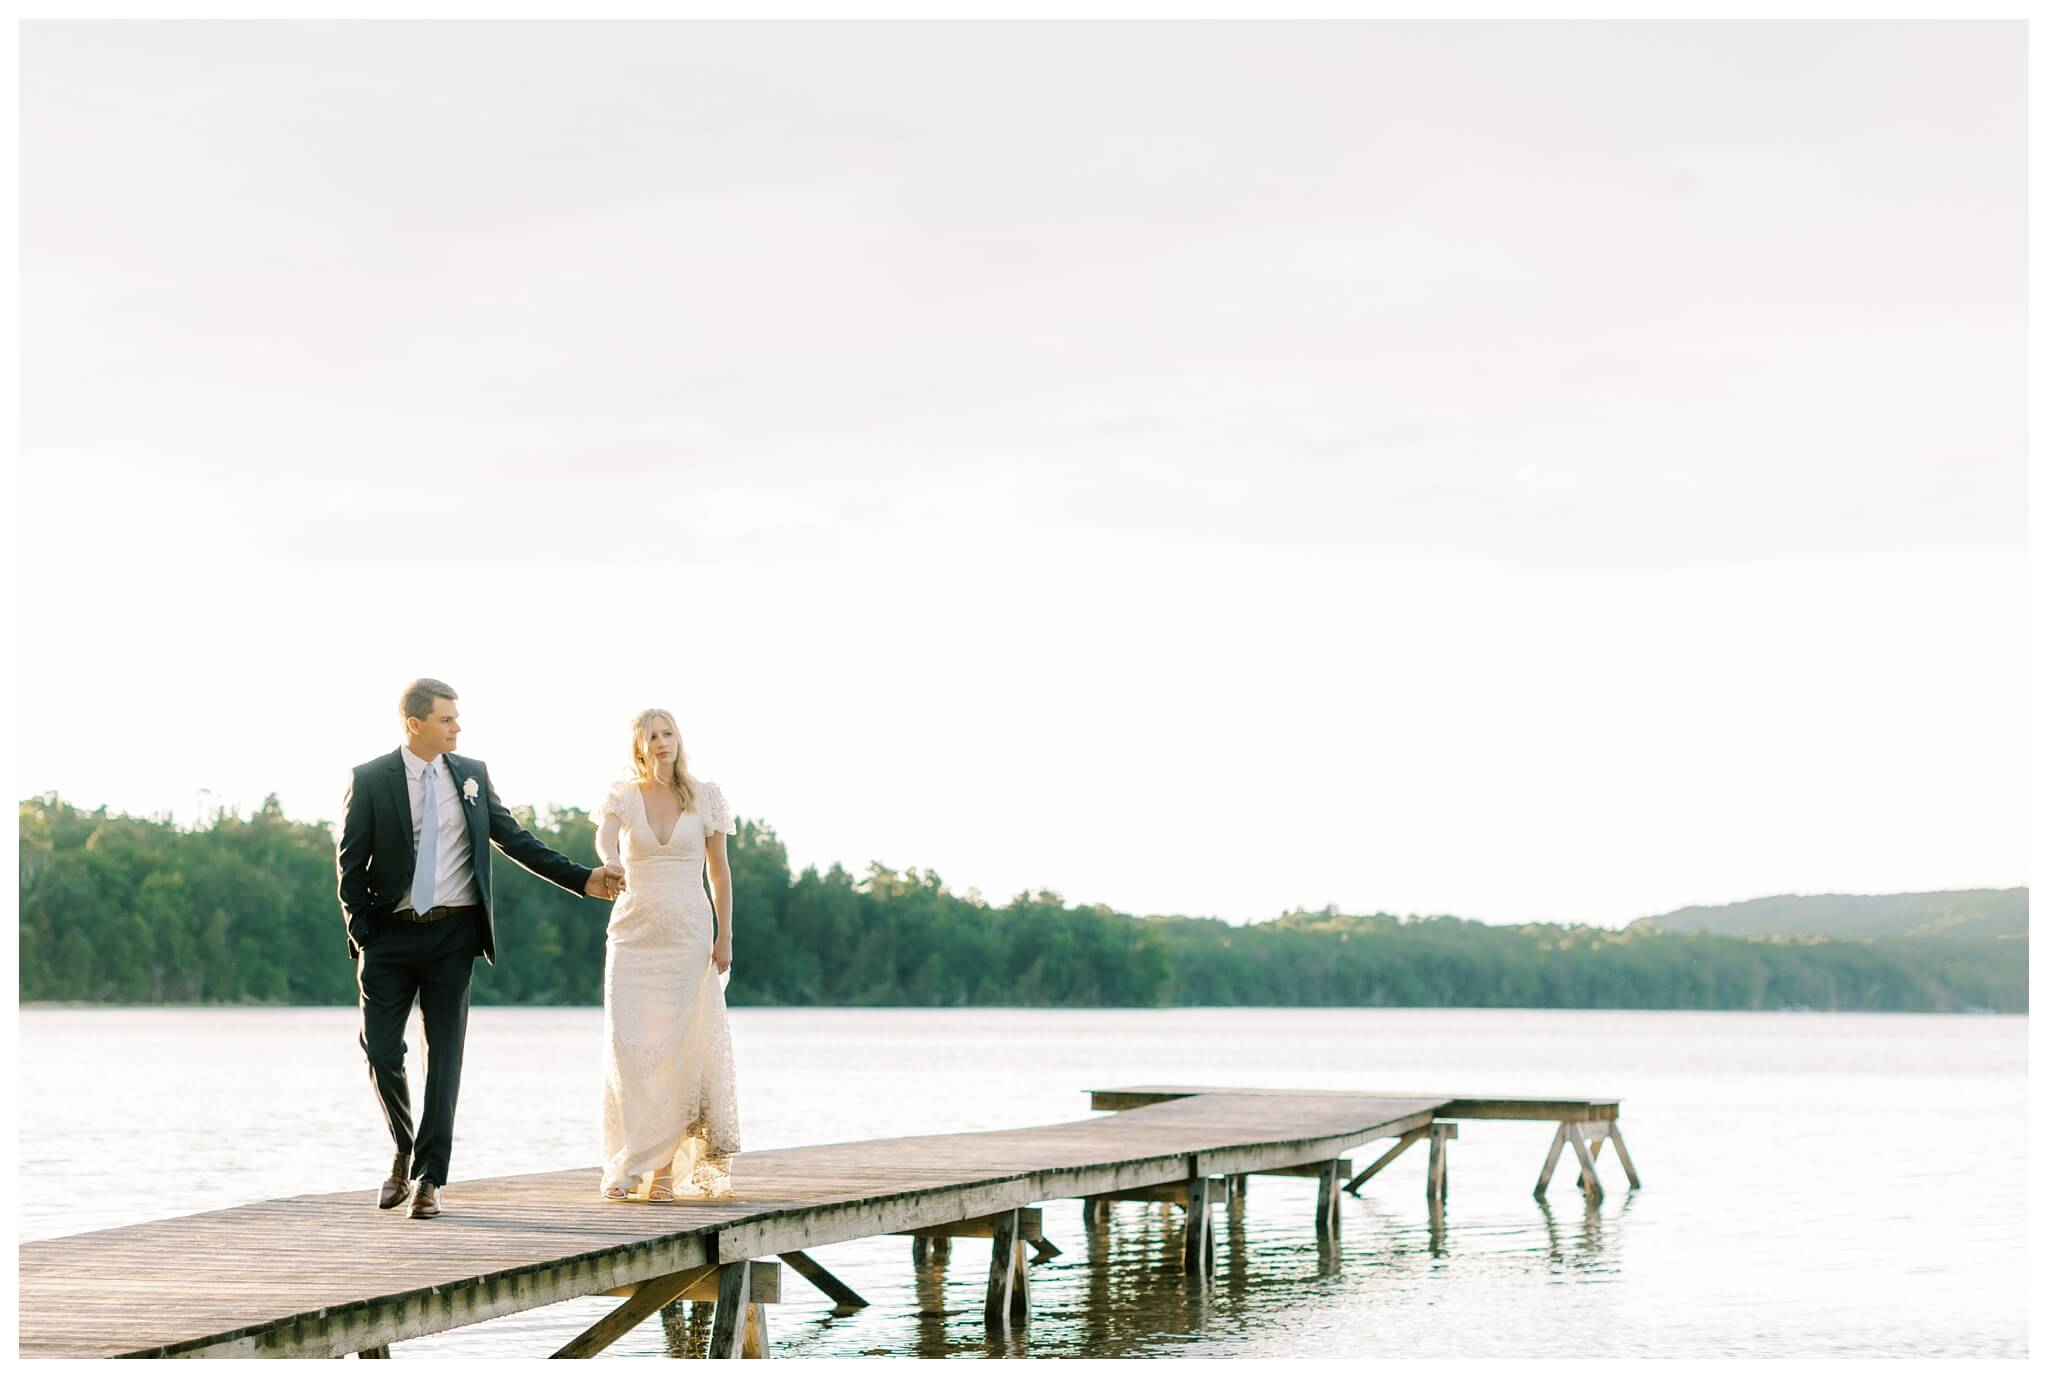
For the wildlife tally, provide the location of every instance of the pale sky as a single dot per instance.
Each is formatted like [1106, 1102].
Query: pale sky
[1518, 470]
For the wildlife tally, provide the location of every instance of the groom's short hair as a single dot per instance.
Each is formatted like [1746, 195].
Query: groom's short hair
[418, 699]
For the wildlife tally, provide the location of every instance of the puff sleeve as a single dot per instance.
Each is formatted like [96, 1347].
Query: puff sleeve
[610, 818]
[712, 808]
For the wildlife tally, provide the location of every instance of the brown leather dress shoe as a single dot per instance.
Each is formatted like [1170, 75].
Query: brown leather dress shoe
[395, 1188]
[425, 1200]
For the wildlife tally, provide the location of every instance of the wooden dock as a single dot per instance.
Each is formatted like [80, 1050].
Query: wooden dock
[329, 1275]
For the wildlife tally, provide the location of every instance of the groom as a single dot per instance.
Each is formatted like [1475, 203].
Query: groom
[415, 883]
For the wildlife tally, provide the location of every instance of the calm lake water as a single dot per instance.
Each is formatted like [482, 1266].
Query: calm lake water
[1823, 1185]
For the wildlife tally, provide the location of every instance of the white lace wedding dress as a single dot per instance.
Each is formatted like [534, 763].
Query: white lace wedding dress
[670, 1102]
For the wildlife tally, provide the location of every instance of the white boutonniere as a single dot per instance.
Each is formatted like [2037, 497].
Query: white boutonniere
[469, 789]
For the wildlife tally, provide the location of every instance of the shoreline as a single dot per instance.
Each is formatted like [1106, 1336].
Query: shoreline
[1093, 1009]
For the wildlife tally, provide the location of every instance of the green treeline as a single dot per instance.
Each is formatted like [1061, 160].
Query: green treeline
[131, 910]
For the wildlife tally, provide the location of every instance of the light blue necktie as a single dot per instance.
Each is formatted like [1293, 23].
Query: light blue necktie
[430, 834]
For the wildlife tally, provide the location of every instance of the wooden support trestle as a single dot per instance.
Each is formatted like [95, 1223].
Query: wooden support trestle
[1585, 1138]
[1575, 1135]
[1436, 1184]
[1628, 1166]
[930, 1242]
[642, 1301]
[1172, 1193]
[1309, 1169]
[1406, 1142]
[1598, 1133]
[1030, 1220]
[816, 1274]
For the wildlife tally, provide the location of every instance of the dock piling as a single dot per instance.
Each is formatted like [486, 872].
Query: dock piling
[1009, 1285]
[1327, 1218]
[1198, 1241]
[738, 1331]
[1439, 1182]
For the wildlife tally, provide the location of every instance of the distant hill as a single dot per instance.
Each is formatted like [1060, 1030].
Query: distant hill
[1937, 913]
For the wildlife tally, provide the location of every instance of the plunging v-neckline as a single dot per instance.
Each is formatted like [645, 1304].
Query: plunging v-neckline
[642, 797]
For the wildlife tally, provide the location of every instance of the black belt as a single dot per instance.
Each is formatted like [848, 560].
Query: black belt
[438, 912]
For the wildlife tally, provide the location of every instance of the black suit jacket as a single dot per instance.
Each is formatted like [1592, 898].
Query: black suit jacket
[376, 855]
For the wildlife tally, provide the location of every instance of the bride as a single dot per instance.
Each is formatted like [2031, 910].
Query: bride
[671, 1112]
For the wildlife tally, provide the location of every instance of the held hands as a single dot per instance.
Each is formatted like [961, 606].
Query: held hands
[606, 881]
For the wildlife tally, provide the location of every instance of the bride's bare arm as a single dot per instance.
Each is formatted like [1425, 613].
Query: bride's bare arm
[720, 871]
[608, 841]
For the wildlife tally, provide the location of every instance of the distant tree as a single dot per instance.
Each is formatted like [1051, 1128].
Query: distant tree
[123, 909]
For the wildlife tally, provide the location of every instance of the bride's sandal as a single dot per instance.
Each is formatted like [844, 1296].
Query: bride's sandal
[614, 1193]
[662, 1190]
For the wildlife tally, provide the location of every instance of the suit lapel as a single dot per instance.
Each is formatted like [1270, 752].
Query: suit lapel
[401, 803]
[472, 812]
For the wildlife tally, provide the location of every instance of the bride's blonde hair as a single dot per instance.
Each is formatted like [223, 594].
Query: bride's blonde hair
[643, 759]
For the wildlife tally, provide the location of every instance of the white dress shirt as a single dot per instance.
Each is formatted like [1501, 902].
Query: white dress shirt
[454, 881]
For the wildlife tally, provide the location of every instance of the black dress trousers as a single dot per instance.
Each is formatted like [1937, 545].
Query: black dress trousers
[431, 961]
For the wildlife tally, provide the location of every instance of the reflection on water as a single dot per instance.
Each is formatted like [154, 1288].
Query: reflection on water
[1117, 1290]
[1844, 1235]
